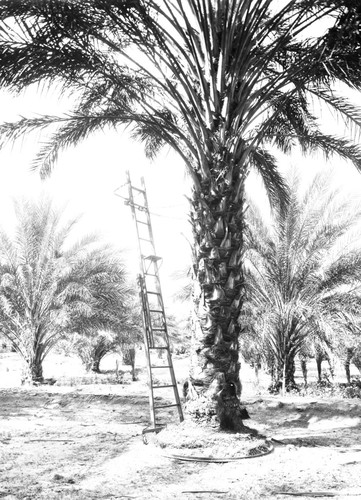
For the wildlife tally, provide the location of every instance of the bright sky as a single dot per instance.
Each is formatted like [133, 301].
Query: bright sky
[85, 179]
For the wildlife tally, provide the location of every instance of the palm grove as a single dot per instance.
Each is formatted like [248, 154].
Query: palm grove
[303, 282]
[52, 289]
[225, 83]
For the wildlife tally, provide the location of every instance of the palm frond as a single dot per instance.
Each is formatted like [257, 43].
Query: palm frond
[331, 145]
[346, 270]
[347, 111]
[275, 185]
[12, 131]
[74, 130]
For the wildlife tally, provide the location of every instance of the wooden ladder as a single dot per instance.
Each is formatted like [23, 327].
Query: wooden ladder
[156, 338]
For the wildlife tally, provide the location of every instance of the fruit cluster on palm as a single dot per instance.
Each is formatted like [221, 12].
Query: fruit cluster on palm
[303, 277]
[50, 288]
[219, 81]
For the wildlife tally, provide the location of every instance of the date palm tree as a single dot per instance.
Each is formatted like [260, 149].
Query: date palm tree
[222, 82]
[303, 275]
[115, 322]
[49, 287]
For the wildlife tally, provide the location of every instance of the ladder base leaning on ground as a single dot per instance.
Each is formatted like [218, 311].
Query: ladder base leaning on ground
[161, 375]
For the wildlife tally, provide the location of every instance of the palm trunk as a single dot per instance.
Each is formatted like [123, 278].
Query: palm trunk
[285, 374]
[99, 351]
[95, 367]
[331, 366]
[214, 385]
[257, 367]
[285, 352]
[98, 354]
[129, 359]
[33, 371]
[304, 370]
[319, 359]
[349, 355]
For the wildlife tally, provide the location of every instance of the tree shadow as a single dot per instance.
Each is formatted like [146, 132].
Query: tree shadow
[321, 423]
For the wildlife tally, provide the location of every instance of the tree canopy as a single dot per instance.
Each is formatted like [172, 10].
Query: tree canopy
[215, 80]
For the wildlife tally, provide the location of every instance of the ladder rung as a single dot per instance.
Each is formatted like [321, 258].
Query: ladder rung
[141, 222]
[138, 189]
[166, 347]
[151, 274]
[136, 206]
[162, 386]
[154, 293]
[165, 406]
[152, 257]
[160, 366]
[159, 330]
[156, 311]
[144, 239]
[153, 429]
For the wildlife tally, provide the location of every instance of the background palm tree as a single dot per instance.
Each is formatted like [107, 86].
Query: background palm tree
[219, 82]
[321, 348]
[115, 323]
[303, 274]
[347, 347]
[49, 287]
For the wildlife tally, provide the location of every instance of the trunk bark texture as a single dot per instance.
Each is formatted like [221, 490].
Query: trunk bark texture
[214, 387]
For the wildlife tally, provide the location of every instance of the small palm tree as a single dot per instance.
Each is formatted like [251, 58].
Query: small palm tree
[300, 279]
[90, 349]
[48, 287]
[114, 325]
[220, 82]
[320, 348]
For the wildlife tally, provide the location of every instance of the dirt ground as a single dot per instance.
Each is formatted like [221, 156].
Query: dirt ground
[85, 442]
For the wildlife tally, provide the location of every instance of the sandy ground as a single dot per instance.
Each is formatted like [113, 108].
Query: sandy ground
[85, 442]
